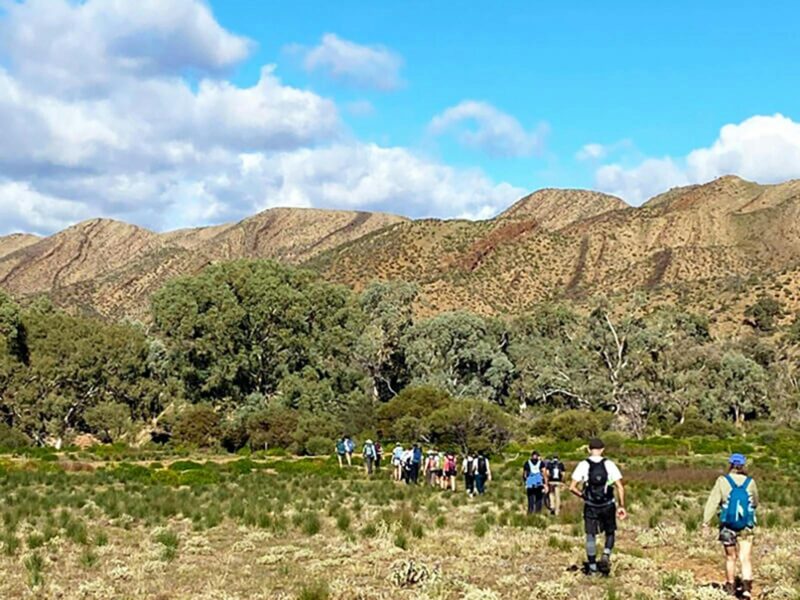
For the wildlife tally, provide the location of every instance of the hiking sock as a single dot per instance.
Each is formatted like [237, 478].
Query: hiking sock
[591, 547]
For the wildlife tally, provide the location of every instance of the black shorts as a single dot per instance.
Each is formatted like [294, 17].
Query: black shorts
[600, 519]
[450, 473]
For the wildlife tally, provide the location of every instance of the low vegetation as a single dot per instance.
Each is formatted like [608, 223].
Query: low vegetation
[78, 525]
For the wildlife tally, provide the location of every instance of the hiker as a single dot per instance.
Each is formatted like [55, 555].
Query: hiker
[555, 479]
[397, 461]
[735, 496]
[468, 469]
[440, 470]
[416, 463]
[594, 480]
[341, 451]
[534, 476]
[369, 455]
[430, 468]
[378, 454]
[349, 447]
[450, 471]
[407, 466]
[483, 473]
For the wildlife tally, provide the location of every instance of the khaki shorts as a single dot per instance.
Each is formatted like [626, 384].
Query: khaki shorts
[729, 537]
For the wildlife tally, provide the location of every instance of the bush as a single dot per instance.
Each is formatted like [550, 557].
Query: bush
[470, 425]
[579, 424]
[198, 426]
[12, 439]
[319, 446]
[695, 426]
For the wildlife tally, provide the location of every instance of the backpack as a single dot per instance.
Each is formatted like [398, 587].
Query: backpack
[470, 467]
[378, 450]
[534, 478]
[737, 512]
[482, 469]
[369, 451]
[417, 455]
[556, 470]
[450, 464]
[340, 447]
[597, 491]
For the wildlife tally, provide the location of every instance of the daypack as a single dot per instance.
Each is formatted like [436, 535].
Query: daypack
[369, 451]
[597, 491]
[482, 469]
[450, 464]
[417, 455]
[738, 512]
[470, 467]
[555, 471]
[340, 447]
[534, 478]
[350, 445]
[378, 450]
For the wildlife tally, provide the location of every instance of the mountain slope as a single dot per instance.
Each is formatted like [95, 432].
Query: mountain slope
[688, 244]
[113, 269]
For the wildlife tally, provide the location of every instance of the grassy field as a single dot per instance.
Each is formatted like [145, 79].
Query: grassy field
[152, 525]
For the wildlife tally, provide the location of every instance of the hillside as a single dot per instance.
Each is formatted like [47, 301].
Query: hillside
[711, 246]
[112, 268]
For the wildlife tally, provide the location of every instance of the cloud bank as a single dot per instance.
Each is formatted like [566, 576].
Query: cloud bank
[127, 112]
[763, 148]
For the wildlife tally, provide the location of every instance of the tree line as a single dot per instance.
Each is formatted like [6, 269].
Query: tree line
[259, 354]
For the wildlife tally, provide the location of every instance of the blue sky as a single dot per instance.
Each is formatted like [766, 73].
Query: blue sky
[177, 112]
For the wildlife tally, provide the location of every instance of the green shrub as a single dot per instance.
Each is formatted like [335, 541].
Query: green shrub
[12, 439]
[319, 446]
[197, 425]
[317, 590]
[579, 424]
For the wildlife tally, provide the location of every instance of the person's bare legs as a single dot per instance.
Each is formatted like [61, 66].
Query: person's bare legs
[745, 553]
[349, 459]
[453, 483]
[339, 456]
[730, 564]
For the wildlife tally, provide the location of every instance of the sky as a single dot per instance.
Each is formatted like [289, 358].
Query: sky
[178, 113]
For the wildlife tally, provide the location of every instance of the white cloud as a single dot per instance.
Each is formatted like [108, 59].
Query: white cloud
[372, 67]
[367, 176]
[481, 126]
[592, 152]
[763, 148]
[26, 209]
[120, 130]
[48, 41]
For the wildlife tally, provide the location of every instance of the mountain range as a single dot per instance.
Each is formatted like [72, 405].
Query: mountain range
[712, 246]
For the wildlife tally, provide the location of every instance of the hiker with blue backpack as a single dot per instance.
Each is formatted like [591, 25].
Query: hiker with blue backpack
[350, 447]
[416, 463]
[594, 481]
[370, 455]
[534, 476]
[341, 451]
[735, 498]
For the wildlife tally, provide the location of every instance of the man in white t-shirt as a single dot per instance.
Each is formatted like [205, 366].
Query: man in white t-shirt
[594, 481]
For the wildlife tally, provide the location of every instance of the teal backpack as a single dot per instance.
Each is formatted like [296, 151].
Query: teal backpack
[534, 479]
[738, 512]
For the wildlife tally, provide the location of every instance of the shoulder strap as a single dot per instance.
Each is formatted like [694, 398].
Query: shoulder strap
[746, 483]
[731, 481]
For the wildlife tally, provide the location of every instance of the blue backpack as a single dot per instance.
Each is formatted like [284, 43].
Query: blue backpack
[534, 478]
[417, 454]
[738, 512]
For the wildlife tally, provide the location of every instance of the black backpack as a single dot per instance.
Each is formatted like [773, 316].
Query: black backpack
[597, 491]
[482, 466]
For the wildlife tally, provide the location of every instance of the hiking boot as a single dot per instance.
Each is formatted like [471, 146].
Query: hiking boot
[589, 568]
[747, 589]
[604, 566]
[730, 589]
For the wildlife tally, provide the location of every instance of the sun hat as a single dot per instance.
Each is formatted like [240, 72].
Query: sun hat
[737, 460]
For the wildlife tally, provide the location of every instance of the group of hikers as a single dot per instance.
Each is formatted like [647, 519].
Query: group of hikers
[597, 482]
